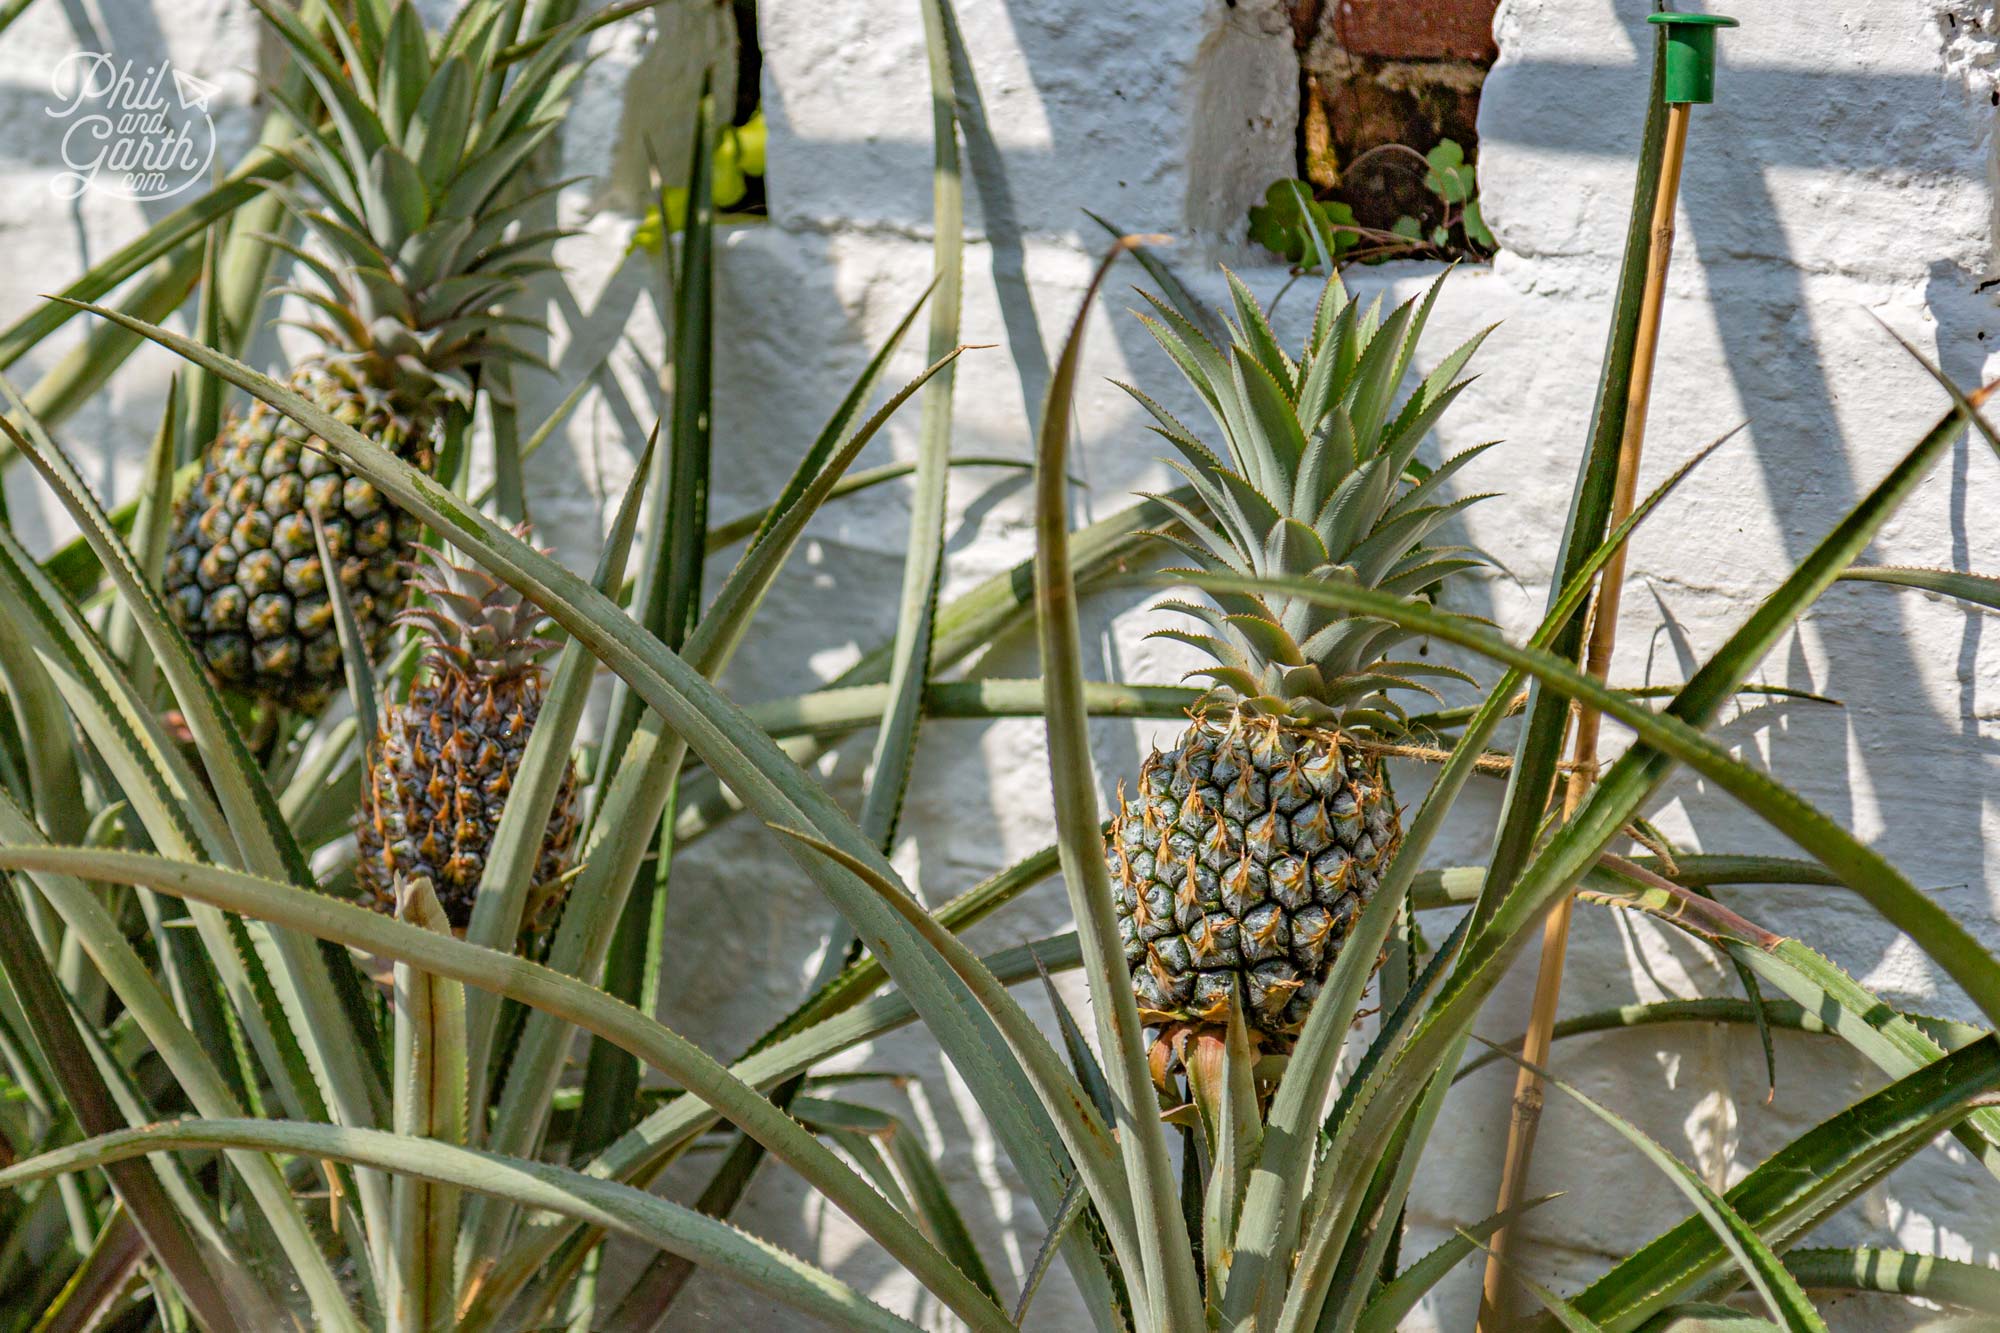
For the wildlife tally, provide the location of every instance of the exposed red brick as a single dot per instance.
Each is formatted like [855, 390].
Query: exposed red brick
[1417, 29]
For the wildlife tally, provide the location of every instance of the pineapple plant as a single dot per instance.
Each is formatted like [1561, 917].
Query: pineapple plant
[419, 239]
[444, 759]
[1250, 845]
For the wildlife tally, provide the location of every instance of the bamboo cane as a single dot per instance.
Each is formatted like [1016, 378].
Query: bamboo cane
[1690, 77]
[1527, 1105]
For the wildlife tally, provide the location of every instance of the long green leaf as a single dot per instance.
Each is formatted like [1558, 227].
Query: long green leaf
[152, 526]
[430, 1103]
[914, 1176]
[1802, 1182]
[1222, 1082]
[354, 663]
[1897, 1043]
[669, 593]
[638, 1155]
[167, 1234]
[516, 849]
[1785, 1015]
[327, 1028]
[751, 524]
[1562, 1311]
[1708, 1317]
[1925, 1276]
[177, 816]
[1778, 1289]
[528, 1184]
[1538, 748]
[1084, 1132]
[1165, 1291]
[669, 603]
[105, 1273]
[542, 988]
[128, 977]
[52, 777]
[1978, 589]
[1387, 1308]
[923, 561]
[838, 710]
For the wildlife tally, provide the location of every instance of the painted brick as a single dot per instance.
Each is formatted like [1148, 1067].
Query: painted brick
[1418, 29]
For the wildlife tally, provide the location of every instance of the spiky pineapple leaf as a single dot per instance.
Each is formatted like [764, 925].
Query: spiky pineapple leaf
[668, 601]
[501, 900]
[1387, 1308]
[1978, 589]
[544, 989]
[641, 1152]
[1222, 1082]
[923, 560]
[1087, 1135]
[1778, 1289]
[1538, 748]
[1928, 1277]
[324, 1005]
[1779, 1015]
[169, 1235]
[1162, 1286]
[354, 654]
[429, 1103]
[527, 1184]
[141, 993]
[1808, 1177]
[902, 1166]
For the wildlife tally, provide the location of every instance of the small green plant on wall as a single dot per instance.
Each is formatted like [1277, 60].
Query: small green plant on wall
[1453, 228]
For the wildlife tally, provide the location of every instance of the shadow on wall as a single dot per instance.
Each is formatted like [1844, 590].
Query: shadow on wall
[1884, 132]
[1900, 761]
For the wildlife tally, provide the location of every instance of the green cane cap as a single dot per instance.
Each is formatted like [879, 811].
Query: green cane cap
[1691, 54]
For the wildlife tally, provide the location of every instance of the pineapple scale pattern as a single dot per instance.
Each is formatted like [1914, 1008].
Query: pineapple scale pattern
[1243, 861]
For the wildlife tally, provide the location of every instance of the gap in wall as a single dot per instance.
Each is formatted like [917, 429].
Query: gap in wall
[1377, 77]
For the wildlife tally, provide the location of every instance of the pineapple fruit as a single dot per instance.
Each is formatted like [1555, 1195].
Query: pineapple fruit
[445, 759]
[1250, 846]
[418, 241]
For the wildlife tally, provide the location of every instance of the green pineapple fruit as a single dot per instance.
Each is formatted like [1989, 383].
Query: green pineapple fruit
[1251, 844]
[418, 241]
[445, 759]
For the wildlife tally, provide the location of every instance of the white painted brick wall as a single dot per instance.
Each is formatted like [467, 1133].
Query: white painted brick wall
[1842, 183]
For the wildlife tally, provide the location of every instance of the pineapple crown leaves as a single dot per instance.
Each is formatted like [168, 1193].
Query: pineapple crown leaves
[473, 623]
[423, 235]
[1317, 477]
